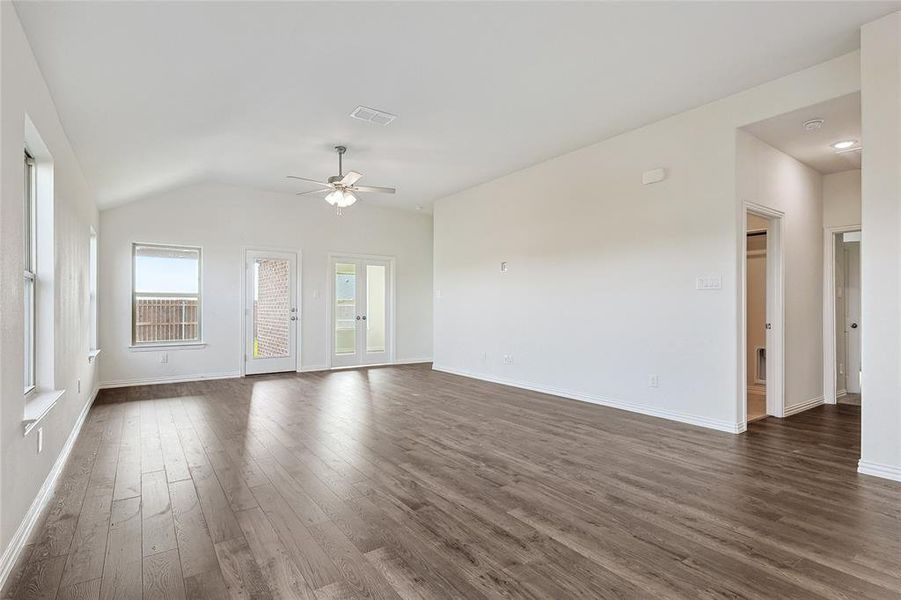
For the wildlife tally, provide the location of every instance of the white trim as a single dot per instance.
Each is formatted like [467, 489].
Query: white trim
[154, 347]
[634, 407]
[866, 467]
[839, 394]
[14, 548]
[830, 392]
[38, 406]
[403, 361]
[806, 405]
[412, 361]
[117, 383]
[93, 354]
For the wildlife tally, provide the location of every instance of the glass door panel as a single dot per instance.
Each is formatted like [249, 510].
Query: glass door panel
[271, 308]
[345, 309]
[376, 308]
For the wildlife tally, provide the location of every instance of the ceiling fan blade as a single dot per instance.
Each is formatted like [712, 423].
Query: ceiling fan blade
[307, 179]
[350, 178]
[373, 188]
[328, 189]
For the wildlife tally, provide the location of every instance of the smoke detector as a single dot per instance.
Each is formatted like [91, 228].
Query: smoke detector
[813, 124]
[371, 115]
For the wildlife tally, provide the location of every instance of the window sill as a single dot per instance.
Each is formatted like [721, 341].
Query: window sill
[38, 405]
[92, 355]
[158, 347]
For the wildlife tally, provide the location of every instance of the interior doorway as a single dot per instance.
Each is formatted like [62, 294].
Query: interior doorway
[844, 326]
[755, 257]
[763, 314]
[362, 311]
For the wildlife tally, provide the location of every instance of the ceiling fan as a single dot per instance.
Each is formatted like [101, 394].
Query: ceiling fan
[340, 188]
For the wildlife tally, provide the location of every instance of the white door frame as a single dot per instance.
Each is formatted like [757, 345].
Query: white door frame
[829, 323]
[245, 309]
[775, 310]
[329, 307]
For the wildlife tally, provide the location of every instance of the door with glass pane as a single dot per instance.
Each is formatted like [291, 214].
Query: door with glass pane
[361, 316]
[271, 314]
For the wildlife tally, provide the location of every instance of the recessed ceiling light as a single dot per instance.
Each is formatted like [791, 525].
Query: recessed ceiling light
[812, 124]
[844, 144]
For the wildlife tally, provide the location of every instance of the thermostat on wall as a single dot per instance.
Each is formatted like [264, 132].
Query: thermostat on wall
[653, 176]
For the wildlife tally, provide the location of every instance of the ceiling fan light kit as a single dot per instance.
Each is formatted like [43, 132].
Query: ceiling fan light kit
[340, 188]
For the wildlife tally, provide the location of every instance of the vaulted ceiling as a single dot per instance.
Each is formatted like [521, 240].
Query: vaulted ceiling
[157, 95]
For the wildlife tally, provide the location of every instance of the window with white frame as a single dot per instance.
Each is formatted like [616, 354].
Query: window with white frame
[165, 294]
[92, 289]
[30, 280]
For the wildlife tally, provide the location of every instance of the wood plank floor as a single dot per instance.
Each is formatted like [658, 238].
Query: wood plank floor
[406, 483]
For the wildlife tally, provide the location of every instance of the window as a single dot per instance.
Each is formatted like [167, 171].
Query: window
[92, 289]
[30, 281]
[166, 294]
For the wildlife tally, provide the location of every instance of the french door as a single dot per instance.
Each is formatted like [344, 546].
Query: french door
[271, 314]
[361, 327]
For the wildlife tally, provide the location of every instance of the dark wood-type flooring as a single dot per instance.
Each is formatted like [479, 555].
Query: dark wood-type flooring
[402, 482]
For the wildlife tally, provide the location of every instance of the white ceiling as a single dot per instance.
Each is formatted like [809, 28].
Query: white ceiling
[157, 95]
[841, 121]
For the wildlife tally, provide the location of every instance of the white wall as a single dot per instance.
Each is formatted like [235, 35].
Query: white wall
[771, 178]
[23, 92]
[224, 220]
[881, 248]
[841, 198]
[600, 292]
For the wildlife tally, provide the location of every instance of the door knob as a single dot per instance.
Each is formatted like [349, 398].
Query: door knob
[293, 318]
[853, 325]
[769, 325]
[364, 318]
[358, 317]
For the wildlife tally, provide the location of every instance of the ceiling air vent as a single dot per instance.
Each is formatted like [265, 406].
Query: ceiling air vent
[371, 115]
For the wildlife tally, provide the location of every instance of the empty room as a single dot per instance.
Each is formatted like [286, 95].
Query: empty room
[427, 300]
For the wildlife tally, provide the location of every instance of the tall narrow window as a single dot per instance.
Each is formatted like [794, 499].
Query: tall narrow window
[166, 294]
[92, 286]
[30, 281]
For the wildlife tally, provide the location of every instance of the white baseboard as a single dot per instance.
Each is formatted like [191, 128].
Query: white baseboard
[806, 405]
[402, 361]
[840, 394]
[117, 383]
[17, 543]
[891, 472]
[413, 361]
[662, 413]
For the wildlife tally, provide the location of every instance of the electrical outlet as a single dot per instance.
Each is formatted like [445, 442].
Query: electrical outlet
[653, 381]
[40, 439]
[504, 267]
[508, 359]
[164, 358]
